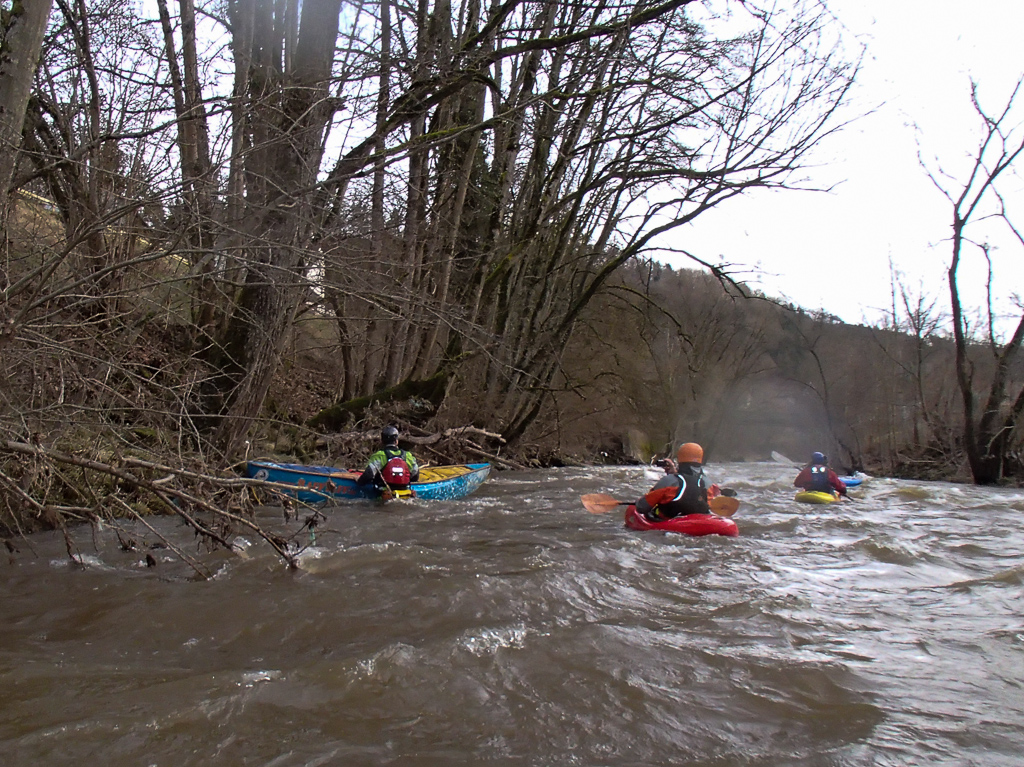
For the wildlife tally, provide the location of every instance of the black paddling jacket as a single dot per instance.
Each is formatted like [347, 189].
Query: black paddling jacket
[677, 494]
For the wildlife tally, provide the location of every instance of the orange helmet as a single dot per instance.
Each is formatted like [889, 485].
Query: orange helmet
[690, 452]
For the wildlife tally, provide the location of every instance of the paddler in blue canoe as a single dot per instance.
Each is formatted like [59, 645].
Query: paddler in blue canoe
[390, 468]
[683, 490]
[818, 477]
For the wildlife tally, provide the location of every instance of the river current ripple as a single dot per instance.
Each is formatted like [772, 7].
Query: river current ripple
[514, 628]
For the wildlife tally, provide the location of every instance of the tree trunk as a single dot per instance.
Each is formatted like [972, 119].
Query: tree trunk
[985, 435]
[291, 110]
[23, 28]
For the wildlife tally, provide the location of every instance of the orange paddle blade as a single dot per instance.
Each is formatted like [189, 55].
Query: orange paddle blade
[723, 505]
[599, 503]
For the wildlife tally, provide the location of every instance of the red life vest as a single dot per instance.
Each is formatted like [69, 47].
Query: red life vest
[396, 472]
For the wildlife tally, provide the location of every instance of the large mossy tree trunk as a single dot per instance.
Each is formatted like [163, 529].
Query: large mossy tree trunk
[339, 415]
[288, 111]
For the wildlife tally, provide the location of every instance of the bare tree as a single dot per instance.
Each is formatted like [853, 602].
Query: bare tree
[529, 140]
[608, 147]
[455, 184]
[914, 420]
[992, 407]
[290, 69]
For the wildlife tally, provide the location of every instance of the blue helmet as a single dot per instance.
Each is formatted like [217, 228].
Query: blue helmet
[819, 459]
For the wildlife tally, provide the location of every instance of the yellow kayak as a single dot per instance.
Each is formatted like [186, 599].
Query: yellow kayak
[813, 496]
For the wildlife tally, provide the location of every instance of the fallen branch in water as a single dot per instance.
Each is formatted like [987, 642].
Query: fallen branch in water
[458, 434]
[477, 450]
[448, 445]
[177, 500]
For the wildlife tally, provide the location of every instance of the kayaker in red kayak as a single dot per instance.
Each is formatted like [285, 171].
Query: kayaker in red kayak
[683, 490]
[818, 477]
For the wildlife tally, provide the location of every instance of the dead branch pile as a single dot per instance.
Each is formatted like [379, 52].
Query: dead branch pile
[42, 487]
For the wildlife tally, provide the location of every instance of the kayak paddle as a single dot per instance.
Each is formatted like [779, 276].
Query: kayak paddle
[599, 503]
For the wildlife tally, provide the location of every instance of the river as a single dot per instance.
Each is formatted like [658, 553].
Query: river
[513, 628]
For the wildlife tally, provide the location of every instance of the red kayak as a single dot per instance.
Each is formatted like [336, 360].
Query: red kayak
[690, 524]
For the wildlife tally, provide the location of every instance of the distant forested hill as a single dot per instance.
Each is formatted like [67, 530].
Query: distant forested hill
[669, 356]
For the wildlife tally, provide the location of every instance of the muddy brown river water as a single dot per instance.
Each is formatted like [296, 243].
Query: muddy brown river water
[513, 628]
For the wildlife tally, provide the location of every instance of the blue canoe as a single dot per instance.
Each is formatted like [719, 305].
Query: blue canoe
[851, 481]
[314, 484]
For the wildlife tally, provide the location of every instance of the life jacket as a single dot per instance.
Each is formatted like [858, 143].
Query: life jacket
[396, 472]
[691, 497]
[819, 479]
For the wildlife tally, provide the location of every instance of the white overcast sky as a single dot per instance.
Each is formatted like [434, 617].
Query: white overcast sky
[831, 250]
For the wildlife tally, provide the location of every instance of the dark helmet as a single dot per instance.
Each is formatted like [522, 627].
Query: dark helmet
[819, 459]
[389, 435]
